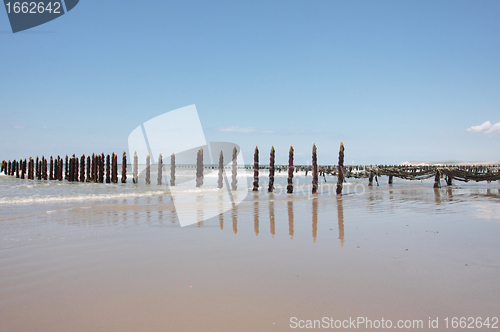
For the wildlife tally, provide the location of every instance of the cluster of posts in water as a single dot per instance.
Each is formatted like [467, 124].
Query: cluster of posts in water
[102, 168]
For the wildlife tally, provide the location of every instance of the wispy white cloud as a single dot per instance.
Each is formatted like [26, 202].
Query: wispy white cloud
[19, 127]
[486, 128]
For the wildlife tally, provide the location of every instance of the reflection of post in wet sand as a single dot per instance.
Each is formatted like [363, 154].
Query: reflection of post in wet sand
[340, 217]
[315, 218]
[235, 221]
[290, 219]
[221, 213]
[437, 196]
[271, 217]
[256, 217]
[199, 210]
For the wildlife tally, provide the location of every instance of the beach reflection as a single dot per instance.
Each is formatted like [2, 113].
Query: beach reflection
[340, 217]
[271, 217]
[256, 217]
[290, 219]
[314, 218]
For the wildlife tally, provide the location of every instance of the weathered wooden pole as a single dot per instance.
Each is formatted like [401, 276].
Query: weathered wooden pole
[449, 180]
[271, 170]
[256, 169]
[234, 182]
[94, 168]
[108, 166]
[89, 171]
[220, 179]
[66, 169]
[82, 168]
[289, 187]
[17, 169]
[135, 170]
[314, 170]
[340, 179]
[160, 169]
[3, 166]
[370, 179]
[390, 179]
[45, 177]
[124, 167]
[23, 168]
[60, 168]
[51, 168]
[148, 169]
[437, 179]
[172, 170]
[101, 174]
[114, 174]
[71, 172]
[199, 168]
[75, 168]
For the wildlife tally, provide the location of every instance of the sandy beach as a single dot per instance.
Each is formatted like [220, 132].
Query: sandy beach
[400, 252]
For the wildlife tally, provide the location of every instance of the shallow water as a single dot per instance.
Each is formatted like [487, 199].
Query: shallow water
[117, 259]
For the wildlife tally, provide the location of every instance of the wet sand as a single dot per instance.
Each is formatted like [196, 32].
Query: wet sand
[401, 252]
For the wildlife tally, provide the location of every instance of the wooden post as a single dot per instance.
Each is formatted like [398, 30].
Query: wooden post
[370, 179]
[114, 174]
[437, 179]
[23, 168]
[101, 173]
[172, 170]
[390, 179]
[44, 168]
[160, 169]
[82, 168]
[314, 170]
[220, 179]
[289, 187]
[148, 169]
[66, 169]
[271, 170]
[234, 182]
[340, 179]
[135, 171]
[449, 180]
[89, 169]
[51, 168]
[124, 167]
[256, 169]
[94, 168]
[108, 166]
[199, 168]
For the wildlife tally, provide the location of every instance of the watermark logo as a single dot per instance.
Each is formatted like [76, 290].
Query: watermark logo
[25, 15]
[180, 132]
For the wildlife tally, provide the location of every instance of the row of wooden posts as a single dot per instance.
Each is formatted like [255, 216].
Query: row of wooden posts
[100, 168]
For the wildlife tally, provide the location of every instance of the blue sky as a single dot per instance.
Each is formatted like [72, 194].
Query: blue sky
[396, 80]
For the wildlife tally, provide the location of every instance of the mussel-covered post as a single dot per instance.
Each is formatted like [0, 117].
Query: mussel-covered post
[101, 175]
[289, 187]
[271, 170]
[114, 174]
[256, 170]
[82, 168]
[437, 178]
[340, 179]
[221, 170]
[199, 168]
[160, 169]
[148, 169]
[172, 170]
[135, 170]
[89, 172]
[234, 182]
[314, 170]
[124, 167]
[108, 167]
